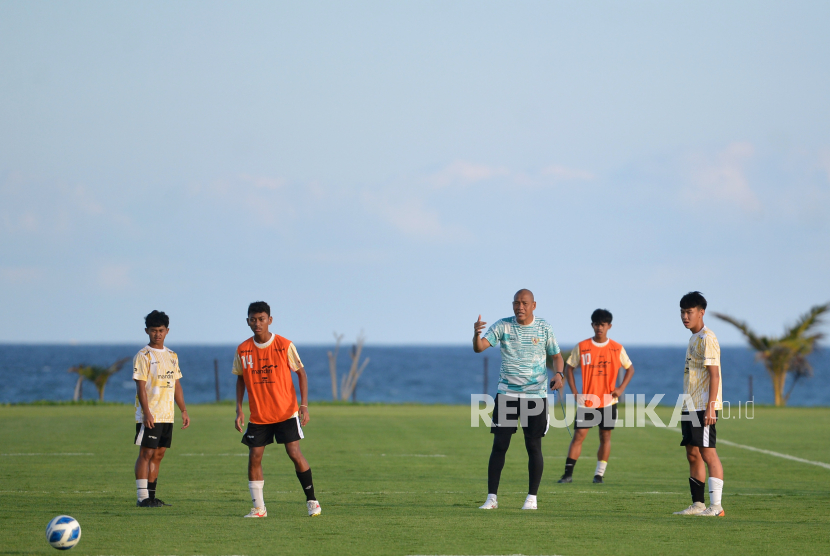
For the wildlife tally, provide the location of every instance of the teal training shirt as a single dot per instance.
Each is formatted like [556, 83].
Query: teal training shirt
[524, 351]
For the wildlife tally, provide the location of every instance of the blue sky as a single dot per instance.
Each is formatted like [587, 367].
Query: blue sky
[399, 168]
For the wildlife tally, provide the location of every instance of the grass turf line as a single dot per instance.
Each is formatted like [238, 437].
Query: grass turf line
[403, 502]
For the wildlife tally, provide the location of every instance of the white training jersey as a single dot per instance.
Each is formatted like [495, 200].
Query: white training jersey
[160, 369]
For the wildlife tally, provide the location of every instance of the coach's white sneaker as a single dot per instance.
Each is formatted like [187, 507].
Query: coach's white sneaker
[257, 512]
[713, 511]
[491, 503]
[530, 503]
[314, 508]
[694, 509]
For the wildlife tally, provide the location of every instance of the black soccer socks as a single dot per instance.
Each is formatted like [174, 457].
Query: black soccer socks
[698, 489]
[151, 489]
[308, 486]
[569, 467]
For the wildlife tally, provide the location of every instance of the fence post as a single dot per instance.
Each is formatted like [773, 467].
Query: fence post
[750, 388]
[216, 376]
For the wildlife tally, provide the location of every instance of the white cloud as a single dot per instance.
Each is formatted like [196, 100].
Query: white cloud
[34, 204]
[462, 172]
[564, 173]
[722, 178]
[410, 217]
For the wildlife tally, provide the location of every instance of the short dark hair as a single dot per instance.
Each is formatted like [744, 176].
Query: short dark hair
[259, 307]
[692, 300]
[601, 316]
[156, 318]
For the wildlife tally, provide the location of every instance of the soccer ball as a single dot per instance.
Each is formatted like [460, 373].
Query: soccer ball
[63, 532]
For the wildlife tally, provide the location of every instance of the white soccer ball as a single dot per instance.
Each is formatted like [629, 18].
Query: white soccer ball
[63, 532]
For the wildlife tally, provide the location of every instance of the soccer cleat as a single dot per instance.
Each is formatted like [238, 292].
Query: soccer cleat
[162, 502]
[530, 504]
[257, 512]
[314, 508]
[566, 479]
[490, 504]
[694, 509]
[713, 511]
[149, 503]
[598, 479]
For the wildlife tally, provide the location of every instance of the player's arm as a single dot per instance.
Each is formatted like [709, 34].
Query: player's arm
[303, 380]
[620, 390]
[240, 395]
[141, 391]
[714, 386]
[479, 343]
[179, 397]
[569, 376]
[555, 363]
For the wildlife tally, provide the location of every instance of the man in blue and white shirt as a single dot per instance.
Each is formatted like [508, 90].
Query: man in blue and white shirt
[528, 350]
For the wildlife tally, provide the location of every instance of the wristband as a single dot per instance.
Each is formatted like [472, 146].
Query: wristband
[305, 406]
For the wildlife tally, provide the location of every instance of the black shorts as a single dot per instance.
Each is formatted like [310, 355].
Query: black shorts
[159, 436]
[529, 413]
[283, 432]
[696, 433]
[605, 417]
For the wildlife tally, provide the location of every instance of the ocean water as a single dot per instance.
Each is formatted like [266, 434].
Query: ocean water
[426, 374]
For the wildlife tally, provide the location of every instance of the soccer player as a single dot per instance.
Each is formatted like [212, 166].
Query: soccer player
[600, 360]
[528, 349]
[263, 366]
[701, 382]
[156, 374]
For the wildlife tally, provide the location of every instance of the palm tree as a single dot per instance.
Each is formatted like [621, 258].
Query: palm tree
[786, 353]
[97, 375]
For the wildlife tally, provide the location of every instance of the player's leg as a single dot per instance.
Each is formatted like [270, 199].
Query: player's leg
[256, 481]
[165, 436]
[303, 471]
[147, 441]
[712, 461]
[255, 463]
[504, 425]
[535, 427]
[153, 475]
[535, 468]
[290, 433]
[697, 478]
[296, 456]
[142, 473]
[256, 438]
[603, 453]
[606, 425]
[501, 442]
[574, 451]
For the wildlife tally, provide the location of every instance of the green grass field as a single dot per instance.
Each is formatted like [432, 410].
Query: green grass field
[405, 479]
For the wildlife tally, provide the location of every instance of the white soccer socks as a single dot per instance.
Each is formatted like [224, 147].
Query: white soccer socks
[601, 465]
[715, 491]
[491, 503]
[141, 489]
[256, 493]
